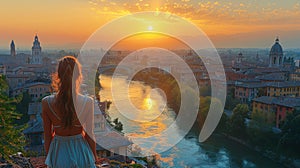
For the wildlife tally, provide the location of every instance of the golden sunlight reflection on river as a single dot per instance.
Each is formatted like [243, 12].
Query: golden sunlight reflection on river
[154, 118]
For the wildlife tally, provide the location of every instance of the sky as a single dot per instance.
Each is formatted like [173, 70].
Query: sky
[228, 24]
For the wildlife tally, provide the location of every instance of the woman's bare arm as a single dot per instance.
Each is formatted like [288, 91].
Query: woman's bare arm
[48, 131]
[89, 126]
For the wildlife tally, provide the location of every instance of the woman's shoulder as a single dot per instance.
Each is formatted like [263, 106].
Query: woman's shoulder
[46, 98]
[85, 97]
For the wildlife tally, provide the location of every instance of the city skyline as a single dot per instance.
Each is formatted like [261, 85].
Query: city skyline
[68, 24]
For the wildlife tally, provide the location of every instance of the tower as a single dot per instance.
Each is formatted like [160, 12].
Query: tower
[257, 57]
[36, 51]
[12, 48]
[276, 55]
[239, 58]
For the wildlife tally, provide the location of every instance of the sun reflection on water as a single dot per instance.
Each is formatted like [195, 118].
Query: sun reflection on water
[147, 103]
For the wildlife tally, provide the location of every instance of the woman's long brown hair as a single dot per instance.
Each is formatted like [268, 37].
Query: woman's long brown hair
[66, 83]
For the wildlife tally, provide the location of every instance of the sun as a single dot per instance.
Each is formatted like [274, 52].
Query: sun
[150, 28]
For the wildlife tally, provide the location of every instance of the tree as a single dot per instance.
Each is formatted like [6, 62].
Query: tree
[12, 139]
[203, 109]
[262, 119]
[231, 102]
[205, 91]
[260, 129]
[237, 124]
[290, 135]
[118, 125]
[223, 124]
[22, 108]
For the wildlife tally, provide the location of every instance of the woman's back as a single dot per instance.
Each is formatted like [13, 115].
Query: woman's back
[55, 114]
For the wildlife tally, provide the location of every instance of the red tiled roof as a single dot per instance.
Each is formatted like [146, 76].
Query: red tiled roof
[38, 162]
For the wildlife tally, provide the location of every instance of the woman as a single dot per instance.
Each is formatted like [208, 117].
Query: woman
[68, 120]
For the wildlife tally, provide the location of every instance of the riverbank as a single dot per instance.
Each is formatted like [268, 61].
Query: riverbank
[283, 160]
[157, 79]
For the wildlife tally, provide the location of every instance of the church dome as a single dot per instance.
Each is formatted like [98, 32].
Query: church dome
[276, 48]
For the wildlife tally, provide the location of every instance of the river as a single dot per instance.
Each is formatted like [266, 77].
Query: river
[216, 152]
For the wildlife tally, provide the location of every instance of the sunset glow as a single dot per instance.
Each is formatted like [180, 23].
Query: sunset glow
[150, 39]
[69, 23]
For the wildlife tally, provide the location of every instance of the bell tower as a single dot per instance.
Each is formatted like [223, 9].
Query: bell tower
[36, 51]
[12, 48]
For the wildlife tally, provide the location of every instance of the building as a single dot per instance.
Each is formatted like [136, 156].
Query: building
[34, 135]
[36, 90]
[21, 68]
[15, 81]
[246, 92]
[280, 106]
[247, 89]
[12, 49]
[273, 77]
[276, 55]
[295, 76]
[238, 63]
[10, 62]
[2, 69]
[284, 106]
[297, 63]
[34, 109]
[36, 57]
[110, 143]
[264, 104]
[287, 88]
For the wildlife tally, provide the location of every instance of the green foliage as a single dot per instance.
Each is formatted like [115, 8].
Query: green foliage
[151, 161]
[223, 124]
[237, 126]
[231, 102]
[205, 91]
[203, 110]
[117, 125]
[96, 83]
[136, 166]
[30, 153]
[22, 108]
[115, 163]
[290, 135]
[260, 129]
[208, 103]
[262, 120]
[11, 140]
